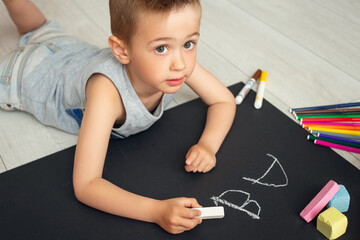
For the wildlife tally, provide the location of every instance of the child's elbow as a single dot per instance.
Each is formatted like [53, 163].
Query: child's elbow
[230, 105]
[84, 189]
[79, 191]
[230, 100]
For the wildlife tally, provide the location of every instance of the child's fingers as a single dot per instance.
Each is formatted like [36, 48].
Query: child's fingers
[202, 166]
[196, 160]
[189, 223]
[206, 166]
[189, 213]
[207, 169]
[191, 156]
[190, 203]
[190, 168]
[186, 220]
[176, 229]
[192, 161]
[178, 216]
[184, 224]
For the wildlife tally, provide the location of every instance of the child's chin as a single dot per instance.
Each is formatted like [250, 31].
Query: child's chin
[173, 89]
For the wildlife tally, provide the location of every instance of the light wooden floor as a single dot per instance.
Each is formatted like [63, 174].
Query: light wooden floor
[310, 48]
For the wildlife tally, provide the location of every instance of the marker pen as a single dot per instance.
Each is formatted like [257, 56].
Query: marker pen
[260, 91]
[244, 91]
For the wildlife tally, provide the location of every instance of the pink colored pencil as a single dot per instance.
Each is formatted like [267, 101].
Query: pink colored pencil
[332, 123]
[349, 119]
[338, 146]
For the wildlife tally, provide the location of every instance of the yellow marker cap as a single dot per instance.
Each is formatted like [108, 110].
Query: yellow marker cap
[263, 76]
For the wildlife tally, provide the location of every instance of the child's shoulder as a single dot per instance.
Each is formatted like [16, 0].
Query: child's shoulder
[101, 92]
[100, 85]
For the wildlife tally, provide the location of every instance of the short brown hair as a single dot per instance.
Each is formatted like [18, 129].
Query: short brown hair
[125, 14]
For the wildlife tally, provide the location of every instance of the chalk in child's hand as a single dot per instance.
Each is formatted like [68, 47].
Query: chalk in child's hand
[211, 212]
[319, 201]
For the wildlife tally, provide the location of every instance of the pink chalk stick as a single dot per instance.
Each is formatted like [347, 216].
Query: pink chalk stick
[319, 201]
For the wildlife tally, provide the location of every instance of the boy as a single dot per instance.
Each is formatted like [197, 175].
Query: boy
[119, 91]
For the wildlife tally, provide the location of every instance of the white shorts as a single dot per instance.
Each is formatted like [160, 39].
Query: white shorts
[34, 47]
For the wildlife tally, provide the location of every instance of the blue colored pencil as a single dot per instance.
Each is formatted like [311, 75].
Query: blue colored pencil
[342, 105]
[322, 135]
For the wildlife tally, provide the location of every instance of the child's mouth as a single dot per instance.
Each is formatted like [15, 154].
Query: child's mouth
[175, 82]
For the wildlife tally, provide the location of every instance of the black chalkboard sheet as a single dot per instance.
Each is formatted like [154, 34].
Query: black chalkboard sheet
[266, 170]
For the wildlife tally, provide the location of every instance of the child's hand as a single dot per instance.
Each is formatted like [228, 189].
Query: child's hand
[175, 215]
[199, 159]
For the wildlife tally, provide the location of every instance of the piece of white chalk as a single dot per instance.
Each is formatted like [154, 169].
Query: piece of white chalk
[211, 212]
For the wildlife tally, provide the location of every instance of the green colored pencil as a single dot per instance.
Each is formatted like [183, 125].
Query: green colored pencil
[328, 113]
[329, 116]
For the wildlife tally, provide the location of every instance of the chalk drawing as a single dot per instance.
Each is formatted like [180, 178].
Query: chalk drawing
[220, 199]
[257, 181]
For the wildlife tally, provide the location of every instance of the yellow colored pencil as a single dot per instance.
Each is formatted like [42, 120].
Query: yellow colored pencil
[311, 126]
[351, 132]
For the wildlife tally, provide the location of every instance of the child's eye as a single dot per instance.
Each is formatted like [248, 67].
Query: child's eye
[161, 49]
[189, 45]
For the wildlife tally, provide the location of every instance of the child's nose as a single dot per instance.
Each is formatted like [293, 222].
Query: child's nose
[178, 62]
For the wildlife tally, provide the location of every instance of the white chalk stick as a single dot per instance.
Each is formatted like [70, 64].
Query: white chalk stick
[211, 212]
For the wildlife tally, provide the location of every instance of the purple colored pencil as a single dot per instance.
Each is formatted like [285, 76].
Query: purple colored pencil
[337, 138]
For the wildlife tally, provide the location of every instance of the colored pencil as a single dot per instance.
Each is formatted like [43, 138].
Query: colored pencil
[336, 110]
[357, 119]
[351, 132]
[313, 138]
[311, 126]
[349, 136]
[328, 113]
[322, 135]
[338, 146]
[330, 116]
[355, 124]
[342, 105]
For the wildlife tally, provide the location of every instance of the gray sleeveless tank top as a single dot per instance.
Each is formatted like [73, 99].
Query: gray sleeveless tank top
[138, 118]
[63, 103]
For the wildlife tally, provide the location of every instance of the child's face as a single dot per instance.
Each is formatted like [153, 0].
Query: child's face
[163, 50]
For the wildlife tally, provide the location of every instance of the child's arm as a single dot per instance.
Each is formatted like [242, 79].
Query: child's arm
[103, 108]
[220, 116]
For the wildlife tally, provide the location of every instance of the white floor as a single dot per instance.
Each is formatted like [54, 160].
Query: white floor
[310, 48]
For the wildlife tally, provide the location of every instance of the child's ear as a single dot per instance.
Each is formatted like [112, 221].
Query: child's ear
[118, 47]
